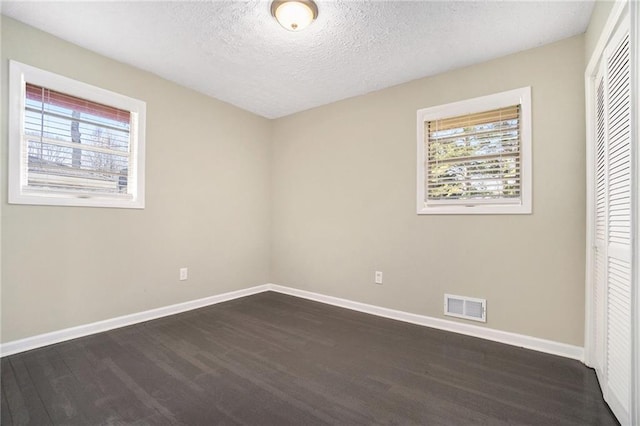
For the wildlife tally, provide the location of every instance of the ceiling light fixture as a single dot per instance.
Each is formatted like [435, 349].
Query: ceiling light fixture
[294, 15]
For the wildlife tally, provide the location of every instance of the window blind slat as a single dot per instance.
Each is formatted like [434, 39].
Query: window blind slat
[470, 159]
[480, 174]
[502, 128]
[508, 113]
[476, 182]
[85, 147]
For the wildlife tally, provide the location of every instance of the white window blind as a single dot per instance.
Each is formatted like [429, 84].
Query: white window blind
[72, 143]
[75, 146]
[474, 157]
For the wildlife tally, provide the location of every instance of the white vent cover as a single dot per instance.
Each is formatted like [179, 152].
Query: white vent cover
[465, 307]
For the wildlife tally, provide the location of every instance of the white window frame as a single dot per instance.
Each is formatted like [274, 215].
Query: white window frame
[521, 96]
[19, 75]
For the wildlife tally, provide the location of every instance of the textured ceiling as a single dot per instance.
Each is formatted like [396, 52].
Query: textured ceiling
[236, 52]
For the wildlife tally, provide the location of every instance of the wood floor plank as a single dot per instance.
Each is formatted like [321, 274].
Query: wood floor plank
[272, 359]
[84, 386]
[51, 379]
[24, 402]
[5, 413]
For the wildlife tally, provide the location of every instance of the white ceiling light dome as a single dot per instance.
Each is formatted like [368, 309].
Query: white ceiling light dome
[294, 15]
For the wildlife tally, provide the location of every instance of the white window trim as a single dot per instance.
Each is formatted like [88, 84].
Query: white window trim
[19, 75]
[520, 96]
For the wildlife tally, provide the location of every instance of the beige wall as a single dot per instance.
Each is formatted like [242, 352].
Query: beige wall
[344, 184]
[207, 197]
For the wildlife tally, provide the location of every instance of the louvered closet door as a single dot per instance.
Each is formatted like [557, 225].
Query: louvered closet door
[617, 229]
[600, 234]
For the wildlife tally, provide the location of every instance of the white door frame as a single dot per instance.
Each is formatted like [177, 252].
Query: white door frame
[635, 186]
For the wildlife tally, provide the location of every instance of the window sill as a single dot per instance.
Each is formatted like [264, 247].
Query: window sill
[475, 209]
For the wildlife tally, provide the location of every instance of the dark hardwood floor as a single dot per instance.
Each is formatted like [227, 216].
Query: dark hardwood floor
[272, 359]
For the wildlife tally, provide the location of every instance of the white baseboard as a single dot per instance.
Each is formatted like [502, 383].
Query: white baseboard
[542, 345]
[514, 339]
[40, 340]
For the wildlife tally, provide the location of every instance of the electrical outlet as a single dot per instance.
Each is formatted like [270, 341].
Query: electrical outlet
[378, 277]
[184, 274]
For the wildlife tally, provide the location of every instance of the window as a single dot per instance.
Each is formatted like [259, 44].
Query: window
[474, 156]
[73, 144]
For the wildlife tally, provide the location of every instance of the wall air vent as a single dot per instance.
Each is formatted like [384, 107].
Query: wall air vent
[465, 307]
